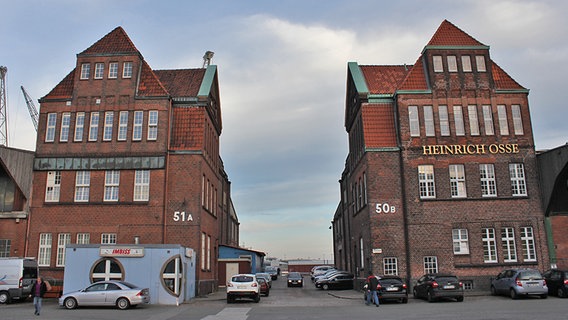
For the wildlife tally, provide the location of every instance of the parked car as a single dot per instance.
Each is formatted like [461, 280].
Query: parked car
[121, 294]
[264, 287]
[338, 281]
[243, 286]
[17, 276]
[519, 282]
[327, 274]
[437, 286]
[319, 270]
[320, 280]
[392, 288]
[272, 271]
[295, 279]
[265, 276]
[557, 282]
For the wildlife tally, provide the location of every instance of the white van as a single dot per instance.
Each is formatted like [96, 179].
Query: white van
[16, 278]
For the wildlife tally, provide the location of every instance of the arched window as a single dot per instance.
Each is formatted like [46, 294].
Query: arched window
[172, 275]
[107, 269]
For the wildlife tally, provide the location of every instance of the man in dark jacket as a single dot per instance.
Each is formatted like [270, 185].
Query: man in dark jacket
[372, 283]
[38, 290]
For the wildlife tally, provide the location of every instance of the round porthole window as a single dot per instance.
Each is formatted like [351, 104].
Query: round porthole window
[107, 269]
[172, 276]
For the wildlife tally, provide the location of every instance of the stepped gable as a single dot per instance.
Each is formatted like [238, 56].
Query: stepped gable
[450, 35]
[384, 79]
[63, 90]
[502, 80]
[115, 42]
[181, 82]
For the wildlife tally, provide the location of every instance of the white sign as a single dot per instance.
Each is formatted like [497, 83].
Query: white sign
[377, 250]
[384, 208]
[122, 251]
[182, 216]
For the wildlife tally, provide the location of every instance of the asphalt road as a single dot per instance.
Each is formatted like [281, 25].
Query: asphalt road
[308, 303]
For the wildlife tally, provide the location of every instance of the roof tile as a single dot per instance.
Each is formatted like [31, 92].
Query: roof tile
[502, 80]
[379, 126]
[450, 35]
[115, 42]
[149, 84]
[383, 79]
[183, 82]
[64, 90]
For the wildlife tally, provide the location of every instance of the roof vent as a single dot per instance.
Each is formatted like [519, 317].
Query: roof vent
[207, 58]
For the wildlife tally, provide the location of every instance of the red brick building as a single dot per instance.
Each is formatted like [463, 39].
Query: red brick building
[127, 154]
[441, 174]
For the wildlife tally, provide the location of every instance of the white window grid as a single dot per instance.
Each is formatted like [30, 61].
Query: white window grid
[85, 71]
[430, 264]
[152, 125]
[109, 121]
[79, 126]
[452, 63]
[122, 125]
[413, 121]
[473, 120]
[390, 266]
[112, 183]
[518, 183]
[94, 126]
[458, 121]
[65, 122]
[437, 62]
[487, 177]
[460, 241]
[53, 186]
[108, 238]
[426, 181]
[142, 185]
[517, 119]
[489, 245]
[528, 245]
[429, 121]
[172, 275]
[127, 70]
[502, 115]
[99, 70]
[508, 244]
[82, 186]
[44, 254]
[457, 181]
[110, 270]
[5, 247]
[62, 241]
[51, 123]
[137, 129]
[488, 120]
[466, 63]
[83, 238]
[480, 62]
[113, 70]
[444, 120]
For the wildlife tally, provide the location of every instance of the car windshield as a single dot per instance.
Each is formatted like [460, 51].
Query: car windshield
[242, 279]
[530, 275]
[446, 279]
[390, 281]
[294, 275]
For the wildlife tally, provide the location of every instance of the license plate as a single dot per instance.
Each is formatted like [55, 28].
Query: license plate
[532, 284]
[392, 289]
[241, 287]
[450, 287]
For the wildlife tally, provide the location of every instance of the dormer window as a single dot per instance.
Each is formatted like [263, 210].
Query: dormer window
[452, 64]
[85, 71]
[480, 62]
[438, 66]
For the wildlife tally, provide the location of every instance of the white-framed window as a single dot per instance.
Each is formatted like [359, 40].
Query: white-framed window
[99, 70]
[502, 115]
[94, 127]
[113, 70]
[461, 241]
[457, 181]
[142, 185]
[203, 239]
[65, 122]
[429, 121]
[62, 241]
[527, 242]
[112, 182]
[53, 186]
[489, 245]
[437, 62]
[508, 244]
[44, 253]
[466, 63]
[480, 62]
[79, 126]
[473, 120]
[108, 238]
[413, 121]
[51, 123]
[109, 120]
[152, 124]
[452, 63]
[137, 129]
[517, 119]
[122, 125]
[82, 186]
[444, 120]
[85, 71]
[488, 120]
[430, 264]
[487, 176]
[127, 69]
[390, 266]
[107, 269]
[362, 253]
[518, 183]
[458, 121]
[172, 275]
[426, 182]
[83, 238]
[5, 248]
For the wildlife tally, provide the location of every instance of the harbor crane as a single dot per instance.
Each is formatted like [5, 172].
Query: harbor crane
[3, 108]
[31, 107]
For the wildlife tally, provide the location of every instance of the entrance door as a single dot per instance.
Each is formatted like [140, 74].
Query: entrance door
[232, 269]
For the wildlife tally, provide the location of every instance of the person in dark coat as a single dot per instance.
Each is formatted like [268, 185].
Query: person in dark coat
[38, 290]
[372, 283]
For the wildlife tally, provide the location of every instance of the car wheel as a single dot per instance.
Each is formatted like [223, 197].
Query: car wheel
[514, 294]
[70, 303]
[267, 293]
[257, 298]
[123, 303]
[544, 296]
[414, 293]
[429, 296]
[229, 299]
[325, 287]
[459, 299]
[493, 291]
[4, 297]
[404, 300]
[561, 293]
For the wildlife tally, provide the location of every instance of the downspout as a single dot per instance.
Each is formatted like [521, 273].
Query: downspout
[166, 175]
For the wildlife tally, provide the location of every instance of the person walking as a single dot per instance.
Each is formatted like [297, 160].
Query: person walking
[372, 284]
[38, 290]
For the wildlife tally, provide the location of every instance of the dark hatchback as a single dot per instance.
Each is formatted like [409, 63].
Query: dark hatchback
[264, 286]
[392, 288]
[437, 286]
[557, 282]
[338, 281]
[295, 279]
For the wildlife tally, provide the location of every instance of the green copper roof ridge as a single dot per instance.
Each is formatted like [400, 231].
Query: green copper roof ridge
[207, 82]
[358, 78]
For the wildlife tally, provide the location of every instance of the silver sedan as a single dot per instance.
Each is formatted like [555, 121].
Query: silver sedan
[106, 293]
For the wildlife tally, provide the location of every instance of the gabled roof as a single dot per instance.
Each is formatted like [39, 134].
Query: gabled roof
[115, 42]
[502, 80]
[64, 90]
[383, 79]
[149, 84]
[416, 78]
[448, 35]
[182, 82]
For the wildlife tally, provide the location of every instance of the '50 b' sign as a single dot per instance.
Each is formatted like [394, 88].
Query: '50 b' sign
[384, 208]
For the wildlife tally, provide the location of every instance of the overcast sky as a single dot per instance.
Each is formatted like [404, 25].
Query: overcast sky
[282, 74]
